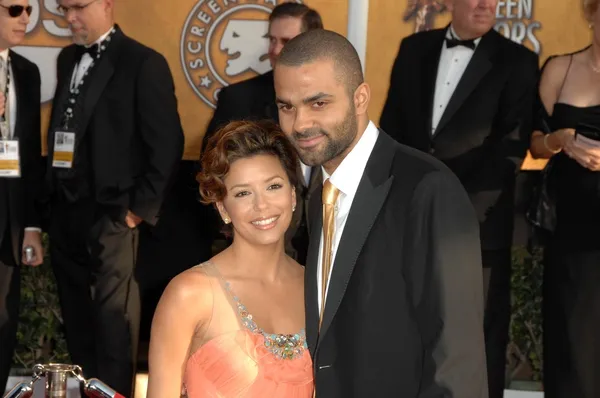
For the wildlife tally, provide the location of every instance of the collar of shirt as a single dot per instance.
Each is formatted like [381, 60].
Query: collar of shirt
[349, 173]
[101, 38]
[451, 34]
[4, 55]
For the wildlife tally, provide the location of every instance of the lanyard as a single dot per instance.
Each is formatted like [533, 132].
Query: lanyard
[5, 128]
[75, 89]
[6, 92]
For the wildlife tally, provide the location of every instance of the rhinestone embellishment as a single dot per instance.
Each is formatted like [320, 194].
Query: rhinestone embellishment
[283, 346]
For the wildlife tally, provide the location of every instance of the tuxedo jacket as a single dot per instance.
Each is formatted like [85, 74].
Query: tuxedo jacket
[129, 115]
[404, 308]
[483, 134]
[254, 99]
[19, 197]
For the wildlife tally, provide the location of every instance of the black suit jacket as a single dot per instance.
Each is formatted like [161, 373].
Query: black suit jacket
[20, 207]
[131, 121]
[484, 132]
[254, 99]
[404, 313]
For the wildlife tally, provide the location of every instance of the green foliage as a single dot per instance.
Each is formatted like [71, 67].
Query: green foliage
[525, 348]
[39, 337]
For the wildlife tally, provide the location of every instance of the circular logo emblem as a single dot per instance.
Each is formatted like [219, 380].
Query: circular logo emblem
[224, 42]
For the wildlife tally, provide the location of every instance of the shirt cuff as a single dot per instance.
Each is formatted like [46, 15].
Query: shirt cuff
[33, 229]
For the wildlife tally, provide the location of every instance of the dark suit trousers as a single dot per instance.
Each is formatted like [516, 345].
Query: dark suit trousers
[496, 275]
[9, 308]
[93, 257]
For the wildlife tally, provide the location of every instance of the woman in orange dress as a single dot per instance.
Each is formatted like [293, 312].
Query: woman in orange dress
[234, 326]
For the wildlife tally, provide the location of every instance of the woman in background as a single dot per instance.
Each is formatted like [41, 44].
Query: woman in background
[570, 93]
[234, 326]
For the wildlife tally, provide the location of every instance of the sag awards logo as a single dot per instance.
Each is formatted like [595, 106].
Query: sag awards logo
[514, 19]
[223, 42]
[45, 38]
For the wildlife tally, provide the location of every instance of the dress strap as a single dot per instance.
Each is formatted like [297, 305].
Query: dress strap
[565, 77]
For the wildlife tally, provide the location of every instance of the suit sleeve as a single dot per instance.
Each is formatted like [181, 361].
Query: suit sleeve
[512, 130]
[34, 164]
[161, 134]
[390, 115]
[447, 289]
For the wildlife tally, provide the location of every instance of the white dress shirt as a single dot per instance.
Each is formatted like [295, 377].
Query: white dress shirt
[305, 174]
[12, 96]
[86, 61]
[346, 179]
[452, 65]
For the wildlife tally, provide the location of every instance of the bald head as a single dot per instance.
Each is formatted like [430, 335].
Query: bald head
[325, 45]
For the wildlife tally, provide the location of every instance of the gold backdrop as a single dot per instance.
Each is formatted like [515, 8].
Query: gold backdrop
[211, 43]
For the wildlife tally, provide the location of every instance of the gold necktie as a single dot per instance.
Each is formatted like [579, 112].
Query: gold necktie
[330, 195]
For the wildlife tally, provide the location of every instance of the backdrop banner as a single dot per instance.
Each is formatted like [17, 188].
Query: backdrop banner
[213, 43]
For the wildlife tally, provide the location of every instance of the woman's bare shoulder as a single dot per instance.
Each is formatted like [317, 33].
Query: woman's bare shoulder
[556, 67]
[193, 286]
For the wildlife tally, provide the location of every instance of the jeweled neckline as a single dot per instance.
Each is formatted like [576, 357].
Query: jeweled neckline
[283, 346]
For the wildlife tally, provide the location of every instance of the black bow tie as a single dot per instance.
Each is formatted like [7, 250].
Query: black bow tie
[91, 50]
[455, 42]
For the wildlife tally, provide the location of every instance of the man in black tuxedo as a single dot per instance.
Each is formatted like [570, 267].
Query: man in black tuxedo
[19, 183]
[255, 99]
[115, 111]
[465, 95]
[402, 312]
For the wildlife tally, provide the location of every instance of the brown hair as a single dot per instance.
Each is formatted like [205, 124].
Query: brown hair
[310, 18]
[589, 9]
[239, 140]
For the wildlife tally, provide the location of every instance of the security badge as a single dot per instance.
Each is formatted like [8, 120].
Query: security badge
[64, 149]
[10, 165]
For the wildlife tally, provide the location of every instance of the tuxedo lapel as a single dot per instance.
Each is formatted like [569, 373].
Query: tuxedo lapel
[430, 64]
[368, 201]
[20, 85]
[311, 303]
[478, 67]
[99, 78]
[65, 74]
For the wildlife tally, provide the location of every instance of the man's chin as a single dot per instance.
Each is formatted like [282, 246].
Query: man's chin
[310, 159]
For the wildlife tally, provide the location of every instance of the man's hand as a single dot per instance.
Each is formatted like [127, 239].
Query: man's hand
[132, 220]
[585, 151]
[33, 239]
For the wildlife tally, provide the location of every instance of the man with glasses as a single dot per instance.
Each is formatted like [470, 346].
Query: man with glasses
[116, 110]
[21, 171]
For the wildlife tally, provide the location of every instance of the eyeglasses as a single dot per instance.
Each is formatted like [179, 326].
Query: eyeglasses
[77, 7]
[15, 11]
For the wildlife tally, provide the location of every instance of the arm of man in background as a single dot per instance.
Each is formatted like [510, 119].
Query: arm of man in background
[162, 137]
[512, 131]
[447, 291]
[33, 171]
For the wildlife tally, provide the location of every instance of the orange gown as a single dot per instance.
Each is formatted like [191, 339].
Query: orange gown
[236, 358]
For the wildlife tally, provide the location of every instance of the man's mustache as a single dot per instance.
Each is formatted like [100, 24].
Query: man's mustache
[309, 133]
